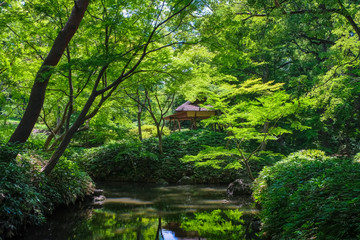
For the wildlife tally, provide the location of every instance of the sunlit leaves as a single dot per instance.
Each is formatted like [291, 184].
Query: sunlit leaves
[217, 224]
[215, 157]
[248, 106]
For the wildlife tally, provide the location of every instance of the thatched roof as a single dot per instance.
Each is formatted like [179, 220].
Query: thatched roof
[189, 106]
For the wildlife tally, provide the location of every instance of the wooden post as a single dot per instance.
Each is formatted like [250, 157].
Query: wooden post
[195, 127]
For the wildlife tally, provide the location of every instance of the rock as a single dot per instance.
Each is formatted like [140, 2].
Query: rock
[98, 192]
[239, 188]
[185, 180]
[162, 181]
[99, 200]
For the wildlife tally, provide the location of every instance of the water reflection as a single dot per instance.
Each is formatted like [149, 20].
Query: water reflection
[131, 201]
[150, 212]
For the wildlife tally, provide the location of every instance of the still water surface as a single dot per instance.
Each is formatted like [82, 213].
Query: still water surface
[149, 212]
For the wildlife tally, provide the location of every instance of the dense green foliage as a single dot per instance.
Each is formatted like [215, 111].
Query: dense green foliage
[135, 161]
[27, 196]
[309, 195]
[281, 75]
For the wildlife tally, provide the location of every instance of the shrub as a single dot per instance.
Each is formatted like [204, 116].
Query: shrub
[128, 160]
[135, 161]
[310, 196]
[20, 200]
[26, 195]
[9, 151]
[67, 183]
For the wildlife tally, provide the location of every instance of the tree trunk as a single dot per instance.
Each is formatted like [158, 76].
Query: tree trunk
[60, 123]
[110, 89]
[248, 169]
[37, 95]
[139, 123]
[159, 232]
[159, 133]
[60, 150]
[68, 136]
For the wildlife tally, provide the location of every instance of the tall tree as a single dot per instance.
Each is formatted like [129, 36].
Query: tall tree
[42, 78]
[295, 43]
[152, 29]
[327, 31]
[245, 108]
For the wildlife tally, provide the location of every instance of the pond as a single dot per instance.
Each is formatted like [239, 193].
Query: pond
[136, 211]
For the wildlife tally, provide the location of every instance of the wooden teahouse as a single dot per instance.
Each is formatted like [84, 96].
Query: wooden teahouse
[189, 111]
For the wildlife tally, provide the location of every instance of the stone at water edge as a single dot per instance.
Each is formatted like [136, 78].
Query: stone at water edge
[99, 200]
[185, 180]
[98, 192]
[162, 182]
[239, 188]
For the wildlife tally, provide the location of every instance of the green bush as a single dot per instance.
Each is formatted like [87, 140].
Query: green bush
[67, 183]
[26, 195]
[310, 196]
[20, 200]
[176, 146]
[129, 161]
[135, 161]
[9, 151]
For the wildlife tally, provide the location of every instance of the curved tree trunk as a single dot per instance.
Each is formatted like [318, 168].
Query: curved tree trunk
[37, 95]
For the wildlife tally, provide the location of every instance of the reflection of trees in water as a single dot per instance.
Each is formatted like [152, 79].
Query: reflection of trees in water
[222, 224]
[111, 225]
[175, 227]
[215, 225]
[159, 231]
[62, 223]
[145, 213]
[89, 223]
